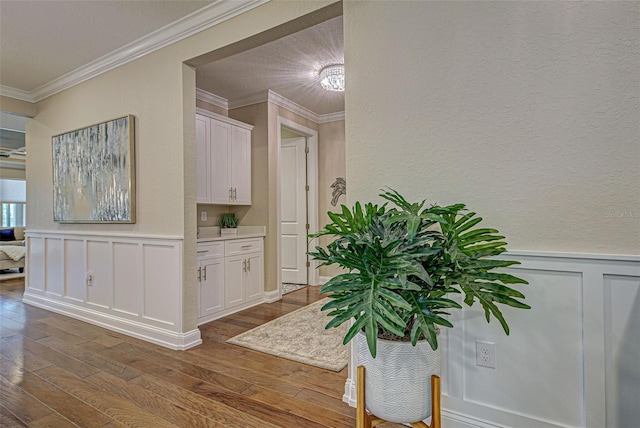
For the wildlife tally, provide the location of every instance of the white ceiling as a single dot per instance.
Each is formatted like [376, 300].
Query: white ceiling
[49, 45]
[42, 41]
[288, 66]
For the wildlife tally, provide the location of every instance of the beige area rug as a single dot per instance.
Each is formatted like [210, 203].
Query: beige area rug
[300, 336]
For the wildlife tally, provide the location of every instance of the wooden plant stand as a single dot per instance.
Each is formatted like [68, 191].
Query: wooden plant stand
[364, 419]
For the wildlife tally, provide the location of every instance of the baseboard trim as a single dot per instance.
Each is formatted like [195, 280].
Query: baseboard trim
[159, 336]
[229, 311]
[272, 296]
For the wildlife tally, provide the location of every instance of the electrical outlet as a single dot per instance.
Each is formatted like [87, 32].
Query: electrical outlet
[90, 278]
[485, 354]
[203, 215]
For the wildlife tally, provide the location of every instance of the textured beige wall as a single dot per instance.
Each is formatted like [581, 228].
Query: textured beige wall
[331, 165]
[525, 111]
[12, 105]
[160, 92]
[158, 110]
[12, 173]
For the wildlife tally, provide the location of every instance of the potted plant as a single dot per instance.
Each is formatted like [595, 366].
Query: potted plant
[228, 224]
[402, 263]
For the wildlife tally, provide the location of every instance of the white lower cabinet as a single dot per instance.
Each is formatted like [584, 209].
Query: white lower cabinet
[230, 277]
[210, 278]
[211, 272]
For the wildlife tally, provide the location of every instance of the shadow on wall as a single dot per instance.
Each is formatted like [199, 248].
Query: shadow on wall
[628, 370]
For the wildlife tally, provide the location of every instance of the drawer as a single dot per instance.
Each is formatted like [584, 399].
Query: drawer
[242, 246]
[211, 249]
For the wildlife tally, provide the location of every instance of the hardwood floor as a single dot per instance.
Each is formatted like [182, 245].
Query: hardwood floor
[56, 371]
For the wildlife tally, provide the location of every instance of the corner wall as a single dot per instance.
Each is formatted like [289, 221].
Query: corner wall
[528, 113]
[331, 165]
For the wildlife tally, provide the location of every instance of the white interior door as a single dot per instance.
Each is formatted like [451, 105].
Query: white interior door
[293, 209]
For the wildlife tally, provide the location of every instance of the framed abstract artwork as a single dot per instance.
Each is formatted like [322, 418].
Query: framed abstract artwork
[94, 173]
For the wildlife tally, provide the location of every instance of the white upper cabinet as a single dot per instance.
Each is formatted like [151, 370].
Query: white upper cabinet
[203, 135]
[224, 154]
[241, 165]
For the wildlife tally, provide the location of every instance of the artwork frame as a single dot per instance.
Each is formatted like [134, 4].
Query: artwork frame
[94, 173]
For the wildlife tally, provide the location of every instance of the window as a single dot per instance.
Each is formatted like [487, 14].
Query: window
[12, 202]
[13, 214]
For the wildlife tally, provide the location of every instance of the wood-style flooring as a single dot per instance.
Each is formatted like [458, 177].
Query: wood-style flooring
[56, 371]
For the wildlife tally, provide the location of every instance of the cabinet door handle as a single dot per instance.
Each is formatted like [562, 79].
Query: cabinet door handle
[230, 193]
[249, 264]
[205, 273]
[199, 274]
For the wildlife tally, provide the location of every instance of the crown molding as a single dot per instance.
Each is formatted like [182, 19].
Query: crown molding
[331, 117]
[292, 106]
[202, 19]
[18, 94]
[286, 103]
[210, 98]
[260, 97]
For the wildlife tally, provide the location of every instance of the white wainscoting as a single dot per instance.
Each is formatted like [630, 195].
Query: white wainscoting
[137, 283]
[570, 361]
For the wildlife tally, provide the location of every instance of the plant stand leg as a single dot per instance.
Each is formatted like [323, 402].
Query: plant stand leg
[366, 420]
[363, 420]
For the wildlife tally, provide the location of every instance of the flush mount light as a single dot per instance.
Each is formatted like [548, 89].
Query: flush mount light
[332, 77]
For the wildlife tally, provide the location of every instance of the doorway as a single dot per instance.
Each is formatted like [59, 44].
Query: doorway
[298, 195]
[293, 207]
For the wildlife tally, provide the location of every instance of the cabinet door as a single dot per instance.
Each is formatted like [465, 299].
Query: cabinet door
[219, 162]
[203, 182]
[254, 284]
[235, 272]
[211, 286]
[241, 166]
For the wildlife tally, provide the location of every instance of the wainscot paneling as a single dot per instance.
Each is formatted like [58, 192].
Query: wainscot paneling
[570, 361]
[128, 283]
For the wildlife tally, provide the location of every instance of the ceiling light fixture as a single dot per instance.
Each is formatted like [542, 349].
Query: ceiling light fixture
[332, 77]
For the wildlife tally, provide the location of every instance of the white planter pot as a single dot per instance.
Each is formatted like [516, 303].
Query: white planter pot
[398, 380]
[225, 231]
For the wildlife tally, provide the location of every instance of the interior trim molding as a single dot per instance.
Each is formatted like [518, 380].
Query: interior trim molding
[286, 103]
[45, 233]
[331, 117]
[210, 98]
[199, 20]
[599, 286]
[163, 337]
[135, 286]
[18, 94]
[272, 296]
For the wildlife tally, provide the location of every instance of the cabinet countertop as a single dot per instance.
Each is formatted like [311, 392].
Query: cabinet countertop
[210, 234]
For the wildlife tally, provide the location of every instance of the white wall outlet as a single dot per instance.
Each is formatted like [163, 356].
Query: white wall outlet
[203, 215]
[485, 354]
[90, 278]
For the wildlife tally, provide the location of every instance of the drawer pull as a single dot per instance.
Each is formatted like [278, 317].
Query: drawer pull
[246, 246]
[203, 251]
